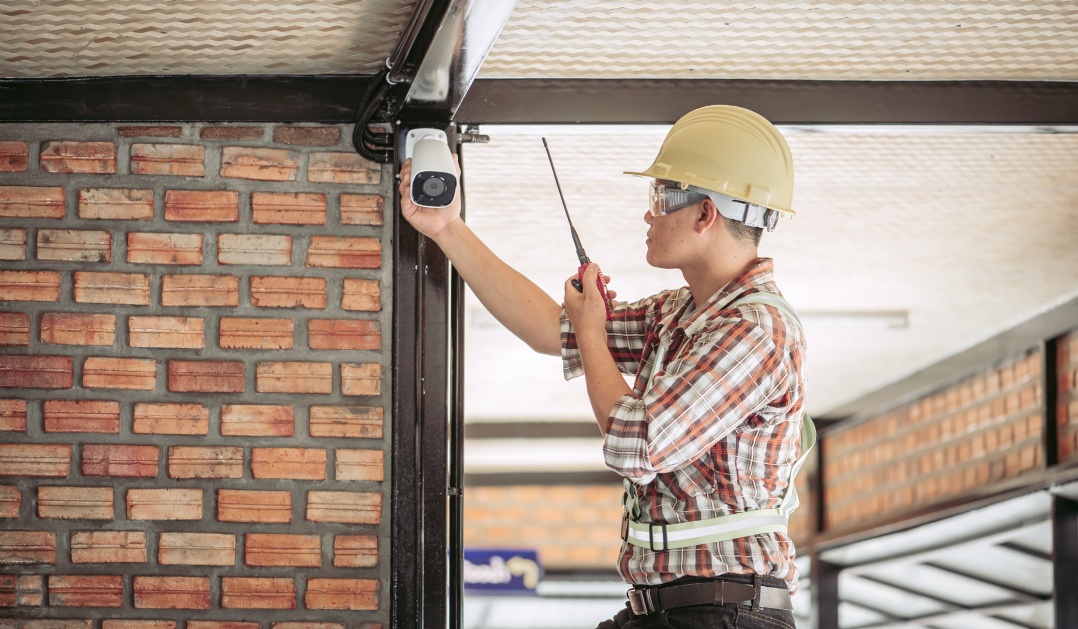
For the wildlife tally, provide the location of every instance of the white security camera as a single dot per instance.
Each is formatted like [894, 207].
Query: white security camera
[434, 176]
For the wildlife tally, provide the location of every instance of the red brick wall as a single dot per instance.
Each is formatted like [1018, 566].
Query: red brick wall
[192, 377]
[1067, 392]
[986, 428]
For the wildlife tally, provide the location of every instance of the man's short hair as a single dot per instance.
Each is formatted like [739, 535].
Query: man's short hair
[742, 232]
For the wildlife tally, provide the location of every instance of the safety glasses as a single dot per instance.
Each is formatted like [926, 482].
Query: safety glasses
[666, 198]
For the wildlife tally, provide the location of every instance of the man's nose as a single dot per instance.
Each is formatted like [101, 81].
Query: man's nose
[648, 217]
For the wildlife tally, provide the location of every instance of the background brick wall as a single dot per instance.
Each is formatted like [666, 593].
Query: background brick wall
[1067, 395]
[985, 428]
[193, 378]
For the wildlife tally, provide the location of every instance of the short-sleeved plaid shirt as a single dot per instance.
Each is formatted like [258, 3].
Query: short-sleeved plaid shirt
[712, 430]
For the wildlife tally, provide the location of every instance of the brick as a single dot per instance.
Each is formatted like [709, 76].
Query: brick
[75, 503]
[166, 332]
[351, 334]
[171, 419]
[231, 133]
[100, 416]
[362, 209]
[168, 159]
[26, 459]
[108, 547]
[288, 208]
[8, 594]
[254, 249]
[290, 463]
[294, 377]
[351, 594]
[342, 168]
[205, 376]
[154, 248]
[66, 328]
[10, 501]
[29, 286]
[135, 374]
[257, 420]
[200, 290]
[205, 462]
[242, 333]
[355, 551]
[12, 244]
[14, 157]
[119, 460]
[205, 206]
[30, 590]
[172, 592]
[235, 505]
[164, 504]
[360, 294]
[315, 625]
[73, 245]
[26, 547]
[13, 415]
[138, 624]
[262, 164]
[37, 372]
[301, 551]
[196, 549]
[344, 252]
[359, 465]
[307, 136]
[149, 132]
[356, 422]
[32, 202]
[112, 288]
[116, 204]
[288, 292]
[14, 328]
[348, 507]
[257, 593]
[51, 624]
[361, 379]
[97, 158]
[220, 624]
[86, 591]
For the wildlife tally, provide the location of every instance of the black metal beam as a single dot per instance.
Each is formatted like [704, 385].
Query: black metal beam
[1018, 592]
[183, 98]
[1065, 560]
[334, 99]
[662, 101]
[825, 594]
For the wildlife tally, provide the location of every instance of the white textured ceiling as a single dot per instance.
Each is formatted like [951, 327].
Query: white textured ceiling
[971, 233]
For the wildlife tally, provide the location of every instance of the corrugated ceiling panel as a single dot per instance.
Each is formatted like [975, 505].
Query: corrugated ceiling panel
[123, 37]
[973, 40]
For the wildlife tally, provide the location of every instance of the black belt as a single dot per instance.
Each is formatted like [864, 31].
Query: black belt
[650, 599]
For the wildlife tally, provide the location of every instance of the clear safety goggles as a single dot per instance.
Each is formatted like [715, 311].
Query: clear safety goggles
[665, 198]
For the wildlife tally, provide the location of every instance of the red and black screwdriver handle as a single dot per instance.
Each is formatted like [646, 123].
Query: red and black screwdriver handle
[599, 282]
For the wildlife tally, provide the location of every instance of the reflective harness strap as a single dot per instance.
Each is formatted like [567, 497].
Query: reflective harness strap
[659, 537]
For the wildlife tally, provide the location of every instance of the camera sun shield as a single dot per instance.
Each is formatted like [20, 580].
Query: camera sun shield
[434, 176]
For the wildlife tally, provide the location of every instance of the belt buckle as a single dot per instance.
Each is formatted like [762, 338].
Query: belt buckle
[638, 602]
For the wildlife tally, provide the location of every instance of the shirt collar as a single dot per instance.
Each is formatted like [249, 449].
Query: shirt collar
[761, 272]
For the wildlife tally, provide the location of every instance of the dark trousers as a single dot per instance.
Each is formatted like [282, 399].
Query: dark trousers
[708, 616]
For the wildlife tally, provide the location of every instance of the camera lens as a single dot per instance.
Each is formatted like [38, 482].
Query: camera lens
[433, 187]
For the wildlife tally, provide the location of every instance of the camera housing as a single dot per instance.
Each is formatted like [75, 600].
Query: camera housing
[434, 175]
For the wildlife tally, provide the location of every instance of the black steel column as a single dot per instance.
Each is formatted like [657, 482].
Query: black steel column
[1065, 560]
[420, 426]
[456, 435]
[1050, 401]
[825, 592]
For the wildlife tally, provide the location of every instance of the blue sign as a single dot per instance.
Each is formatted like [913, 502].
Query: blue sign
[501, 571]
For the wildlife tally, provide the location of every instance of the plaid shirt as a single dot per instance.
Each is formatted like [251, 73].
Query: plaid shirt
[712, 430]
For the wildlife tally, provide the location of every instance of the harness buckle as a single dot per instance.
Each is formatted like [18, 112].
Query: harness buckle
[624, 527]
[651, 537]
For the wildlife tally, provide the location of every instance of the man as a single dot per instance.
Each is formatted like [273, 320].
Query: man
[708, 436]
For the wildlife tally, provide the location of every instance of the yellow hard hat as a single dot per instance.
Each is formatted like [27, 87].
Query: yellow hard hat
[729, 150]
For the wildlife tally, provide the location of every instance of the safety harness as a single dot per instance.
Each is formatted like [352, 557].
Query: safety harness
[659, 537]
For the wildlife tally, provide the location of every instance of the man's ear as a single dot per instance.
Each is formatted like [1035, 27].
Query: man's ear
[707, 217]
